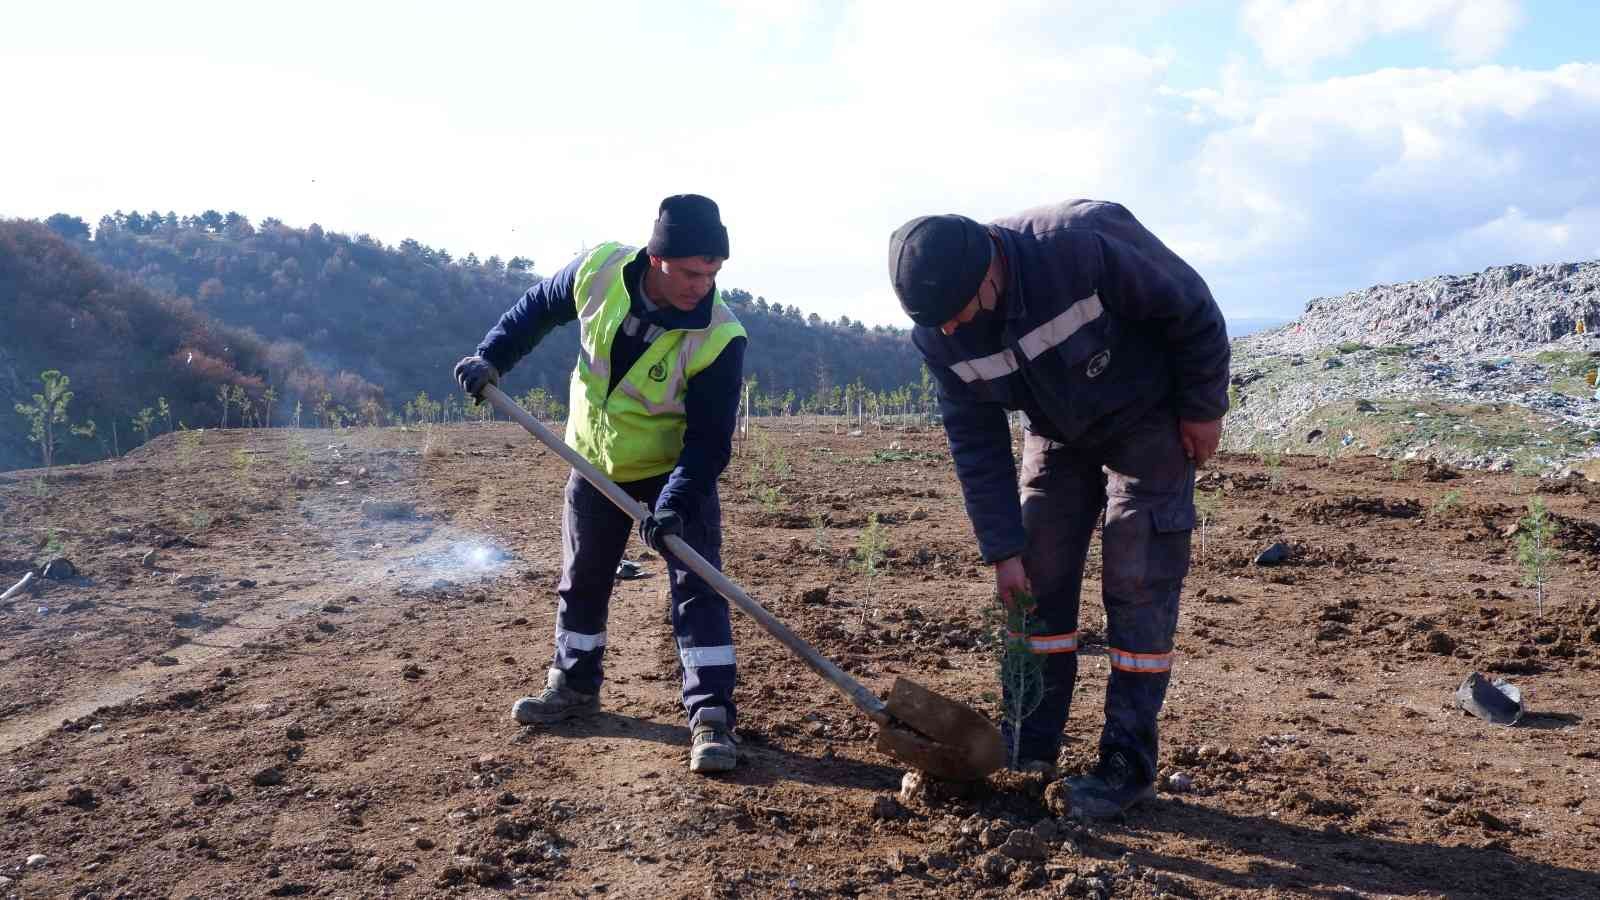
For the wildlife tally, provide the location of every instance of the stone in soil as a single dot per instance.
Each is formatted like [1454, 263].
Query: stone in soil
[268, 777]
[1021, 844]
[1273, 555]
[37, 860]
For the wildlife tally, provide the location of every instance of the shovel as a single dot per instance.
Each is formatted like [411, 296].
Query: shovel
[915, 725]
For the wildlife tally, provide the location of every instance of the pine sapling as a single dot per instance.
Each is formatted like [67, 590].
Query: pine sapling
[1536, 533]
[1021, 669]
[869, 555]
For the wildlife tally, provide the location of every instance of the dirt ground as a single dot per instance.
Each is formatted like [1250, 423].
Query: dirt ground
[250, 689]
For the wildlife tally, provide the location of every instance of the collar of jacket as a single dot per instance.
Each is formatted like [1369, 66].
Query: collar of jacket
[668, 317]
[1016, 305]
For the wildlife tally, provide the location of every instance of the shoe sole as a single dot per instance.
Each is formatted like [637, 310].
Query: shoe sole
[571, 712]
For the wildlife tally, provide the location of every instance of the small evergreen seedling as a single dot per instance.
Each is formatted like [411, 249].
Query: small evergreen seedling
[1272, 458]
[869, 554]
[1536, 533]
[1448, 502]
[1021, 670]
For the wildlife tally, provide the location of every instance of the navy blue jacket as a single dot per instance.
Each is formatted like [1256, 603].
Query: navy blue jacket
[712, 399]
[1100, 325]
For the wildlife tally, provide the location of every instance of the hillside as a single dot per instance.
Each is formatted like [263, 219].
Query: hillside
[401, 316]
[124, 347]
[1491, 370]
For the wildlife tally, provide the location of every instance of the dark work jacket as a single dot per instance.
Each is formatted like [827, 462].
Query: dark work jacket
[712, 399]
[1100, 324]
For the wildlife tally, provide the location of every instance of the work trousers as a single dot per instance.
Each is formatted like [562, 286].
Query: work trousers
[594, 534]
[1144, 482]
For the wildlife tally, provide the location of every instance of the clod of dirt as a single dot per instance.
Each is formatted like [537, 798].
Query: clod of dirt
[150, 559]
[886, 807]
[1273, 555]
[295, 732]
[816, 594]
[60, 569]
[412, 671]
[212, 793]
[1023, 844]
[81, 797]
[1439, 642]
[425, 843]
[268, 777]
[165, 661]
[995, 867]
[1057, 799]
[387, 509]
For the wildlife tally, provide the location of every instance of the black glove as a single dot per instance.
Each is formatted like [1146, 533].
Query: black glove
[655, 528]
[474, 374]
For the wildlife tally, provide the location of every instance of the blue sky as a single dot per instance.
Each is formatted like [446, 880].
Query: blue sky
[1288, 148]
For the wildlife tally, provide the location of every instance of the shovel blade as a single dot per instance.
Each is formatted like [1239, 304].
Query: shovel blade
[938, 735]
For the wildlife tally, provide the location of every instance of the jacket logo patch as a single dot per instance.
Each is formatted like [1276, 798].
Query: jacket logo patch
[658, 372]
[1098, 363]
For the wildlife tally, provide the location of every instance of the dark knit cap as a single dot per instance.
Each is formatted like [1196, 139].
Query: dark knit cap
[688, 225]
[936, 264]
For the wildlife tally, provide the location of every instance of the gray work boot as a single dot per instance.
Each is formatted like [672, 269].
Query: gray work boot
[1115, 786]
[554, 703]
[713, 748]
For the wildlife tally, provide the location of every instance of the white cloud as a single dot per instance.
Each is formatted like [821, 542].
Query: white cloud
[819, 129]
[1293, 34]
[1398, 174]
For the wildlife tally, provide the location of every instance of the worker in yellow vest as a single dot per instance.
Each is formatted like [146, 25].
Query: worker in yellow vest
[654, 399]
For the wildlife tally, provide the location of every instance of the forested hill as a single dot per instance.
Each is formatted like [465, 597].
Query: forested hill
[126, 349]
[401, 316]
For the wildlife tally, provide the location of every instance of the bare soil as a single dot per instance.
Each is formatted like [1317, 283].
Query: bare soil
[289, 698]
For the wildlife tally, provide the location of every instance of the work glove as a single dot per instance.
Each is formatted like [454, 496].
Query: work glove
[474, 373]
[656, 526]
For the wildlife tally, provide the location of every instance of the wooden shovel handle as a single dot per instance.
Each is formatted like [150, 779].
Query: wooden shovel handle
[853, 690]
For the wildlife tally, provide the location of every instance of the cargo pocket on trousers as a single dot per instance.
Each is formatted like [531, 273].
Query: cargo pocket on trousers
[1169, 545]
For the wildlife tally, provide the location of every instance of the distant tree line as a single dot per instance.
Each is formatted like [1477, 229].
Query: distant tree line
[217, 319]
[402, 315]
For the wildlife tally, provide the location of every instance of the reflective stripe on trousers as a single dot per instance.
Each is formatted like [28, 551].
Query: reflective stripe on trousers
[1145, 484]
[594, 534]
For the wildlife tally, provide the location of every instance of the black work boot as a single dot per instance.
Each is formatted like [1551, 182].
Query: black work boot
[713, 748]
[554, 703]
[1114, 787]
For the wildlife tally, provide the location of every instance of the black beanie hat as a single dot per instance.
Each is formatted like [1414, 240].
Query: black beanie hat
[937, 264]
[688, 225]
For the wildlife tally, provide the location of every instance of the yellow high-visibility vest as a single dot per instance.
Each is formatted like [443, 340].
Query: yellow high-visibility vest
[637, 430]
